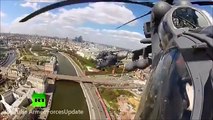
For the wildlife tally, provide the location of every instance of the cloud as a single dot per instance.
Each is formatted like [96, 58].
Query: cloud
[97, 13]
[2, 14]
[32, 5]
[69, 23]
[119, 38]
[94, 12]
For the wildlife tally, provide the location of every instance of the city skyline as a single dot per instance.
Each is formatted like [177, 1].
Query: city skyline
[78, 20]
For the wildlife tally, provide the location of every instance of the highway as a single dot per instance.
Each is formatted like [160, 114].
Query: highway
[97, 107]
[11, 58]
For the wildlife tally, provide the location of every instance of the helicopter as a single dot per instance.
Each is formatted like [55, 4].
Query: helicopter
[114, 59]
[110, 58]
[181, 38]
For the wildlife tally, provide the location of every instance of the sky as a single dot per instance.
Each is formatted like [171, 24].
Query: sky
[96, 22]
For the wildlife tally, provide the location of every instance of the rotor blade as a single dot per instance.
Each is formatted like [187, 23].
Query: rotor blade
[70, 2]
[134, 19]
[203, 3]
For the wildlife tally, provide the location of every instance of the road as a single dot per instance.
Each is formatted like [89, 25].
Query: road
[11, 58]
[96, 105]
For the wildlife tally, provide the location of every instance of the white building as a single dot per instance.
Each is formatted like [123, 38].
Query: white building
[80, 53]
[50, 67]
[39, 83]
[11, 103]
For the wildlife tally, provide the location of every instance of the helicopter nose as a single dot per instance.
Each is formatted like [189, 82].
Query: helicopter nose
[139, 64]
[142, 64]
[130, 66]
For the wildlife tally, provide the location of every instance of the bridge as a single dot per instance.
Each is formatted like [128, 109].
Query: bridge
[85, 79]
[119, 84]
[124, 83]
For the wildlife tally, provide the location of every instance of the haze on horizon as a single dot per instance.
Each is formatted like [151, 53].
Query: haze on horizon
[96, 22]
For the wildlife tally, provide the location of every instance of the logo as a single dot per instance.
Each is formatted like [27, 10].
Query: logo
[38, 100]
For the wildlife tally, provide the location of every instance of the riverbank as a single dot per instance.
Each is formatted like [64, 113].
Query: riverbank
[80, 73]
[68, 95]
[97, 109]
[78, 70]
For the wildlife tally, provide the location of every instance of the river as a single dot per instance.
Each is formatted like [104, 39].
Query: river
[68, 95]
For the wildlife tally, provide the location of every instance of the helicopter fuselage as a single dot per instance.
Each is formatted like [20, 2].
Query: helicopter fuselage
[181, 62]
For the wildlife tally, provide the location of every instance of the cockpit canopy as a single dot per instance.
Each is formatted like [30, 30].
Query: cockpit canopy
[188, 17]
[179, 20]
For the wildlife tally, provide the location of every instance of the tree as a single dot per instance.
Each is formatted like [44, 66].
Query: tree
[28, 45]
[24, 58]
[54, 44]
[37, 47]
[18, 61]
